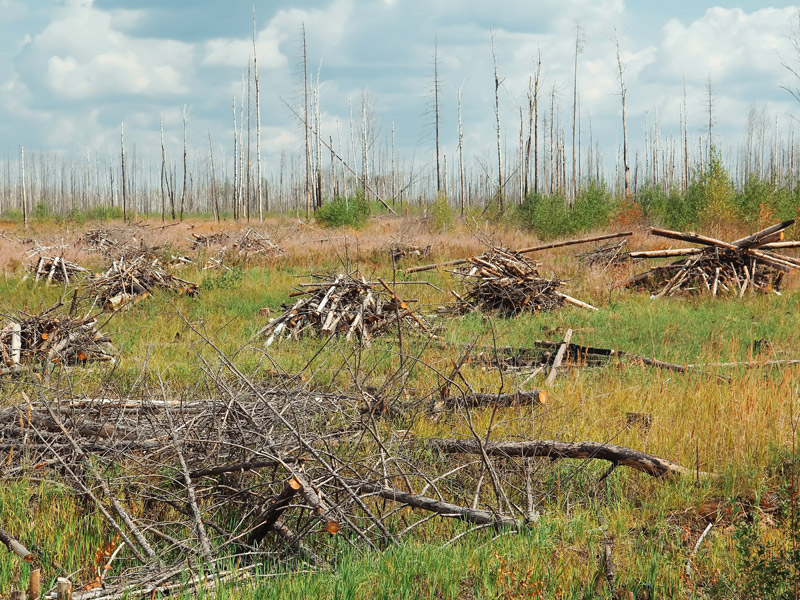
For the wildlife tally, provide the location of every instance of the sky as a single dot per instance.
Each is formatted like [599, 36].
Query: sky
[71, 71]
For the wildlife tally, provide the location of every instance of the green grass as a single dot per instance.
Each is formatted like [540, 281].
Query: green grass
[739, 430]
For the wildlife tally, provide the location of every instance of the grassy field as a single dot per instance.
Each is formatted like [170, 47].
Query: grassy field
[736, 422]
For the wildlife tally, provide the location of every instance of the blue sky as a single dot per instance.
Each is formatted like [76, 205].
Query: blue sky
[72, 70]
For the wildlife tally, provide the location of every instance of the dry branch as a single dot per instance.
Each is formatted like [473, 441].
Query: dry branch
[445, 509]
[619, 455]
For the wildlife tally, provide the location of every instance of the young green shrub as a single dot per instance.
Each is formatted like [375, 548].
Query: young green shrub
[345, 212]
[712, 193]
[104, 213]
[440, 217]
[547, 216]
[41, 211]
[592, 208]
[551, 216]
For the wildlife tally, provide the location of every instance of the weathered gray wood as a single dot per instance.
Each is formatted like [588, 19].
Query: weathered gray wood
[562, 350]
[445, 509]
[759, 237]
[619, 455]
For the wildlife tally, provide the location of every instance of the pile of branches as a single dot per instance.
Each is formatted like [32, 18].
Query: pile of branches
[217, 261]
[402, 251]
[56, 269]
[506, 282]
[345, 304]
[132, 279]
[51, 339]
[746, 264]
[253, 244]
[205, 241]
[606, 255]
[116, 241]
[266, 475]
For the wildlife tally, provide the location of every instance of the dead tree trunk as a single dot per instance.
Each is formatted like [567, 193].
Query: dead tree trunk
[22, 186]
[163, 171]
[623, 93]
[497, 83]
[122, 162]
[183, 190]
[258, 119]
[578, 50]
[305, 122]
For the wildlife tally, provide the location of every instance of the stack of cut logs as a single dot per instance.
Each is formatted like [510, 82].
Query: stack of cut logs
[746, 264]
[505, 282]
[345, 304]
[128, 280]
[253, 244]
[55, 268]
[31, 339]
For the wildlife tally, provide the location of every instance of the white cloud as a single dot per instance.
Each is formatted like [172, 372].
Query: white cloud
[324, 29]
[83, 55]
[727, 44]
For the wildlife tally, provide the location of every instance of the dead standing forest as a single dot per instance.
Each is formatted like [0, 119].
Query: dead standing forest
[545, 153]
[207, 395]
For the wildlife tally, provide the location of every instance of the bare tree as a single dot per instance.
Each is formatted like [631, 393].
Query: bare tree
[305, 120]
[214, 196]
[578, 51]
[258, 119]
[497, 82]
[623, 95]
[462, 191]
[122, 162]
[536, 89]
[685, 139]
[710, 106]
[163, 170]
[22, 186]
[436, 89]
[183, 189]
[235, 165]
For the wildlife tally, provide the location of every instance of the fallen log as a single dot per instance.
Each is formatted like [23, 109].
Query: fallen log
[445, 509]
[765, 235]
[597, 238]
[619, 455]
[14, 546]
[668, 253]
[692, 237]
[562, 349]
[783, 244]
